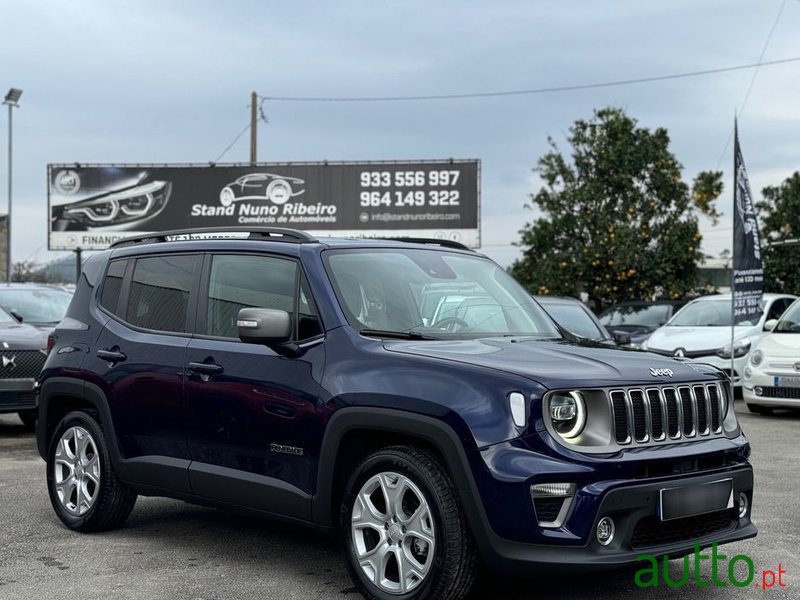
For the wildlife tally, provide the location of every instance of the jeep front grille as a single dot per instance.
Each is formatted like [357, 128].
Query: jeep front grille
[21, 364]
[653, 414]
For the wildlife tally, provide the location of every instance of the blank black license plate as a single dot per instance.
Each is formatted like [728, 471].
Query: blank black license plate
[687, 501]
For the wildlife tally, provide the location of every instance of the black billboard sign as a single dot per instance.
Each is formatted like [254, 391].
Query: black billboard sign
[748, 270]
[92, 206]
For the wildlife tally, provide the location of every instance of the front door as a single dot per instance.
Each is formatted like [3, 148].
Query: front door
[252, 409]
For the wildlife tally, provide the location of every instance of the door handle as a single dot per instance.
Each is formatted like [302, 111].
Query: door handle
[113, 356]
[205, 368]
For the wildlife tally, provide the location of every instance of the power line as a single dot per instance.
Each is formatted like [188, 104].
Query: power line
[544, 90]
[752, 81]
[231, 145]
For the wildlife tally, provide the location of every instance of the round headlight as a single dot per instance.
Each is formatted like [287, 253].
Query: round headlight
[756, 357]
[568, 413]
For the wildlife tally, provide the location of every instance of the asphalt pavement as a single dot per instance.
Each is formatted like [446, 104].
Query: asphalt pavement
[172, 550]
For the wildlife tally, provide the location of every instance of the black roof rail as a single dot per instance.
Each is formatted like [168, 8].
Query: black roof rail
[432, 241]
[281, 234]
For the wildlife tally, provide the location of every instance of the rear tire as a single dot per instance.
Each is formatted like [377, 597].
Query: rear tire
[28, 418]
[84, 490]
[760, 410]
[393, 494]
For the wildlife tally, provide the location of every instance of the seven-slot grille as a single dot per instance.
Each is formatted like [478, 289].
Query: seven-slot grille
[654, 414]
[21, 364]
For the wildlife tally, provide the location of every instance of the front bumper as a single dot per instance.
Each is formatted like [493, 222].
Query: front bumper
[16, 395]
[772, 395]
[624, 487]
[633, 509]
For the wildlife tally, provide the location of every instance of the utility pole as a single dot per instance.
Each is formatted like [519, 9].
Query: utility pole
[253, 122]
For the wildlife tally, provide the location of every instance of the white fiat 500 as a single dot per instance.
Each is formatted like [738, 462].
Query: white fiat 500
[772, 375]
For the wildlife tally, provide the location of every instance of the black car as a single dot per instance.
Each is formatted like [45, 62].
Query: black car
[23, 349]
[639, 319]
[409, 397]
[28, 313]
[574, 316]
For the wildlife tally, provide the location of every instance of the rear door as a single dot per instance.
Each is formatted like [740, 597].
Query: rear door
[255, 430]
[140, 359]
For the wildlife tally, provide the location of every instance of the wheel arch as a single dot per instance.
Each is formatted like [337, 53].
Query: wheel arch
[374, 428]
[61, 395]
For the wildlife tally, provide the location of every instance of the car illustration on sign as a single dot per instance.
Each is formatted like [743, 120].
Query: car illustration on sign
[261, 186]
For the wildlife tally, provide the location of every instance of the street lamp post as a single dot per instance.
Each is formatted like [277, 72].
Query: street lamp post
[12, 99]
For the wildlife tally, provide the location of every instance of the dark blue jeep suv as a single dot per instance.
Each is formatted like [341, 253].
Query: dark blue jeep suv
[406, 394]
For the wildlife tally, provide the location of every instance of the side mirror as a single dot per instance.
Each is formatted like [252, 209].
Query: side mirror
[16, 315]
[770, 325]
[623, 338]
[264, 326]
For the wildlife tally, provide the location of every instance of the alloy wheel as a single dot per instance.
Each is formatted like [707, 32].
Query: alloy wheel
[393, 533]
[76, 471]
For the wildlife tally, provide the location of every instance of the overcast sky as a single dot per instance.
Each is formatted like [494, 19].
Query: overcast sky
[166, 81]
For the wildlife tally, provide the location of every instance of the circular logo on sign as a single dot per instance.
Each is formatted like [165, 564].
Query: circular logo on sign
[67, 182]
[363, 217]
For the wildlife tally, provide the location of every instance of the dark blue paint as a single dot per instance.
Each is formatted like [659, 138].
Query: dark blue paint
[263, 398]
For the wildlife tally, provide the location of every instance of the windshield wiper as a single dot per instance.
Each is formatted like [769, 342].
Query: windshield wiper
[400, 335]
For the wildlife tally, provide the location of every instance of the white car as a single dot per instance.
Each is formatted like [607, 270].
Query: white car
[701, 330]
[772, 375]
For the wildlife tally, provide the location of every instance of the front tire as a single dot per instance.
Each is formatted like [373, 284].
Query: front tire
[84, 490]
[403, 532]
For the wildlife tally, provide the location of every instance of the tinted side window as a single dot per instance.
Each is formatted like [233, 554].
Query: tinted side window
[242, 281]
[159, 296]
[238, 282]
[112, 285]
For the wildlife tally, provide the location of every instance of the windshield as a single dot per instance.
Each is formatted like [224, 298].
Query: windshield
[653, 315]
[36, 305]
[433, 294]
[707, 313]
[574, 319]
[790, 320]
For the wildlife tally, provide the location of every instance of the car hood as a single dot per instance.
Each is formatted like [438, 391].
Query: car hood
[19, 336]
[555, 363]
[781, 345]
[693, 339]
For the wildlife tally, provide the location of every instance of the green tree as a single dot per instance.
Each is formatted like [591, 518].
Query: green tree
[617, 222]
[780, 212]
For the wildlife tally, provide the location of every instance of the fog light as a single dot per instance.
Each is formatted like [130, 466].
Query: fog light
[743, 505]
[605, 531]
[758, 390]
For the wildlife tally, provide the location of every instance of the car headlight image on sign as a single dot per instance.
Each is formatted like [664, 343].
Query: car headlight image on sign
[122, 206]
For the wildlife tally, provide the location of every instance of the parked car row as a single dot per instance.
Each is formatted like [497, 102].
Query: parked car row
[765, 354]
